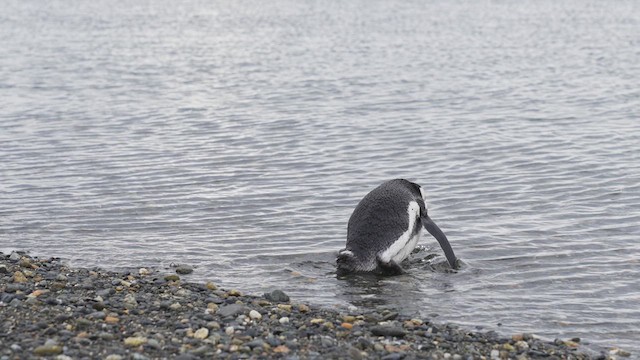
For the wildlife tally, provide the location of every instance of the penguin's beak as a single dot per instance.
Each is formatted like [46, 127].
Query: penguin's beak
[435, 231]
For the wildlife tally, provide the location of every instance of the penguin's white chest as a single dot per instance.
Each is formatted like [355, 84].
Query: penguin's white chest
[404, 245]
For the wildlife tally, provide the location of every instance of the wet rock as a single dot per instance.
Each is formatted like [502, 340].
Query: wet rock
[19, 277]
[384, 330]
[393, 356]
[135, 341]
[130, 301]
[105, 293]
[14, 256]
[201, 333]
[11, 288]
[231, 310]
[257, 343]
[277, 296]
[390, 316]
[97, 315]
[48, 350]
[172, 277]
[138, 356]
[184, 269]
[254, 315]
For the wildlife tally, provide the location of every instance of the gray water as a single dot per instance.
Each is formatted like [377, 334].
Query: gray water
[238, 136]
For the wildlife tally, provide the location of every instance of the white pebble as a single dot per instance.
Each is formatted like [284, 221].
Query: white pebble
[201, 333]
[229, 330]
[255, 315]
[522, 345]
[495, 354]
[284, 320]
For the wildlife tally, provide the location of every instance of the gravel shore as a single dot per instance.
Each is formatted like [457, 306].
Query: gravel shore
[50, 310]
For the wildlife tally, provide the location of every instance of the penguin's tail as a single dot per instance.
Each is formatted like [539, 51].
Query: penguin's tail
[346, 262]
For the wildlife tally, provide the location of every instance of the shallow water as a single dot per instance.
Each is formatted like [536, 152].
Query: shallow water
[238, 136]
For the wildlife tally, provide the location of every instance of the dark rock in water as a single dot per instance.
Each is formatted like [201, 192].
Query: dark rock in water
[231, 310]
[276, 296]
[184, 269]
[388, 331]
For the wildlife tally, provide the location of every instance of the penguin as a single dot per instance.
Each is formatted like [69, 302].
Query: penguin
[385, 228]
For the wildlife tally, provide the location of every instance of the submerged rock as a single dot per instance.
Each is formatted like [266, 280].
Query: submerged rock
[184, 269]
[277, 296]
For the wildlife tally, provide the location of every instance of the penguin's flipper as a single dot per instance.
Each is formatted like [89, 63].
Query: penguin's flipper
[389, 268]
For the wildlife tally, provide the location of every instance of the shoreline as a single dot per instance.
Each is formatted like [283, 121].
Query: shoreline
[48, 309]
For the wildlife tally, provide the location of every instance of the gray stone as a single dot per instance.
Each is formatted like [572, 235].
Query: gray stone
[388, 331]
[328, 341]
[106, 336]
[202, 350]
[13, 287]
[231, 310]
[393, 356]
[276, 296]
[390, 316]
[130, 301]
[14, 256]
[186, 356]
[4, 269]
[255, 343]
[105, 292]
[184, 269]
[97, 315]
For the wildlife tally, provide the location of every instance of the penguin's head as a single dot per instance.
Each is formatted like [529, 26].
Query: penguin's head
[434, 230]
[346, 262]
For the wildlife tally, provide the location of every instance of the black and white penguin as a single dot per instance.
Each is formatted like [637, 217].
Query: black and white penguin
[385, 228]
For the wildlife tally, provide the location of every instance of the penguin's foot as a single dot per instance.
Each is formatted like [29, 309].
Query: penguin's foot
[390, 267]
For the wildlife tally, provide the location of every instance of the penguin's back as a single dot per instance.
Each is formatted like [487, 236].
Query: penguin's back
[381, 217]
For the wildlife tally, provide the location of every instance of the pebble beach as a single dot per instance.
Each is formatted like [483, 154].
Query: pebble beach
[50, 310]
